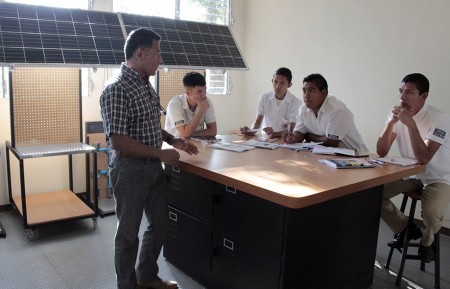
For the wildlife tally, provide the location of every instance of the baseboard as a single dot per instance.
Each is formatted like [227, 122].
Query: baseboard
[6, 207]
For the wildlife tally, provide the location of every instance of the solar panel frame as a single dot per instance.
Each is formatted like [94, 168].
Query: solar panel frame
[53, 36]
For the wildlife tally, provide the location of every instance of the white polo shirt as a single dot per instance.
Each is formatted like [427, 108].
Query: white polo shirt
[334, 120]
[278, 112]
[433, 124]
[178, 113]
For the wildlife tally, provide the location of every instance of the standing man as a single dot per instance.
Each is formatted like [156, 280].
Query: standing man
[192, 113]
[278, 109]
[324, 118]
[131, 120]
[422, 133]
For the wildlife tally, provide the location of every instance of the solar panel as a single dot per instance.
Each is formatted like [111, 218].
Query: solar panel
[46, 35]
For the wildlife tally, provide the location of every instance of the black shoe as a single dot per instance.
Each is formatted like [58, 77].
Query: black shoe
[427, 253]
[399, 240]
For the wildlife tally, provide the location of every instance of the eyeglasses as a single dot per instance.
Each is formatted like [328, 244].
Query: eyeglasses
[162, 110]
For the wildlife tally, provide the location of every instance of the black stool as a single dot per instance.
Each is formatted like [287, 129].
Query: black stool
[414, 197]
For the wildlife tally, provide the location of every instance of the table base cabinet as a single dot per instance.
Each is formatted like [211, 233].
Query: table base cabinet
[226, 238]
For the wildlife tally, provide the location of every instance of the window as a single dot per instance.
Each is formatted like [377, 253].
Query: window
[75, 4]
[210, 11]
[4, 82]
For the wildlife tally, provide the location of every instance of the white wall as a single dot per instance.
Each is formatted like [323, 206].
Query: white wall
[363, 48]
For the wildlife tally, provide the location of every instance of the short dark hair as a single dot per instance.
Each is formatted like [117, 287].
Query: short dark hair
[139, 38]
[193, 78]
[285, 72]
[318, 80]
[420, 80]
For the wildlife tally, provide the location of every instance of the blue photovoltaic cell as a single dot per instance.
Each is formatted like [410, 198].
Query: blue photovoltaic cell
[39, 34]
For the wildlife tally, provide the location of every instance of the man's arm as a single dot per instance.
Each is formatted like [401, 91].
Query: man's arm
[187, 130]
[210, 131]
[130, 146]
[424, 150]
[310, 137]
[386, 139]
[257, 123]
[294, 137]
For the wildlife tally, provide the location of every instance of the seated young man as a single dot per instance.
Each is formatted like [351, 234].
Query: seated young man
[278, 109]
[324, 118]
[192, 113]
[422, 133]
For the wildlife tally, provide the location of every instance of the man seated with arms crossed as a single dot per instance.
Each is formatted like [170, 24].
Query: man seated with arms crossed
[278, 108]
[422, 133]
[189, 113]
[324, 118]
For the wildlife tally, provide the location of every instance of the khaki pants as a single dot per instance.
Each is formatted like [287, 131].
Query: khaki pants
[435, 199]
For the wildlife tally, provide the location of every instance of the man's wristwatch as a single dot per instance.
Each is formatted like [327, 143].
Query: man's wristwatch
[170, 139]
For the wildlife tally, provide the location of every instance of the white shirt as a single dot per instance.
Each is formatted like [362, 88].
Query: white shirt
[179, 113]
[433, 124]
[334, 120]
[278, 112]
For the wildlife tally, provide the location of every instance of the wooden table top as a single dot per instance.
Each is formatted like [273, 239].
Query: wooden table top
[286, 177]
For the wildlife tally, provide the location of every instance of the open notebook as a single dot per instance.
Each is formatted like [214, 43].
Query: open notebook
[231, 147]
[320, 149]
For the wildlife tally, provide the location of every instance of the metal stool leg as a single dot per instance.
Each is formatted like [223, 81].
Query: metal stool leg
[406, 245]
[437, 262]
[391, 251]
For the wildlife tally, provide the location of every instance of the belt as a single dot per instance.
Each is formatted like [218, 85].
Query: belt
[119, 154]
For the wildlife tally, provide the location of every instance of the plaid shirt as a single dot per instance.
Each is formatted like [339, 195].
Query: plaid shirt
[130, 106]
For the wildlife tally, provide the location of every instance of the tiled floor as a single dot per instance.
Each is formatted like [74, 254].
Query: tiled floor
[74, 255]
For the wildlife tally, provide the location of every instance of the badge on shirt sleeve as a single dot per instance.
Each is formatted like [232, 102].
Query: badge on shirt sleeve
[335, 137]
[179, 122]
[439, 133]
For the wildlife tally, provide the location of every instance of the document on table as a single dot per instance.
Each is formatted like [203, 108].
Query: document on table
[398, 161]
[320, 149]
[300, 146]
[231, 147]
[261, 144]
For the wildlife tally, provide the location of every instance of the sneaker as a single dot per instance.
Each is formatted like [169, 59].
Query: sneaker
[427, 253]
[159, 284]
[399, 240]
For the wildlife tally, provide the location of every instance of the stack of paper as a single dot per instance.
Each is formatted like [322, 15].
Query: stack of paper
[398, 161]
[320, 149]
[231, 147]
[261, 144]
[347, 163]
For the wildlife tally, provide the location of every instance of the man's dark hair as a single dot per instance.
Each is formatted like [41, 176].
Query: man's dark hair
[420, 80]
[193, 78]
[285, 72]
[318, 80]
[139, 38]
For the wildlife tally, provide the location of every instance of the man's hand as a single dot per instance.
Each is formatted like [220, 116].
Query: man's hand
[185, 145]
[169, 156]
[402, 114]
[203, 105]
[245, 130]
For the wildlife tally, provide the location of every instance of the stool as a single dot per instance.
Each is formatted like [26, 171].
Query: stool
[415, 196]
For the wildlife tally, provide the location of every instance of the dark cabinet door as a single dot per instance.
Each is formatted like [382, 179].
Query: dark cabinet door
[188, 244]
[256, 221]
[237, 265]
[189, 193]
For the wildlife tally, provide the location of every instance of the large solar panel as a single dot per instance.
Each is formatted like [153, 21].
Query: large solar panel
[190, 44]
[45, 35]
[38, 34]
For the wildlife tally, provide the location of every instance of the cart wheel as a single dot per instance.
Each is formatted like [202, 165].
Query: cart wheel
[32, 234]
[94, 222]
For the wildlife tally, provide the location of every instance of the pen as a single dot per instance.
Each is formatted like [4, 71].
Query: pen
[381, 163]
